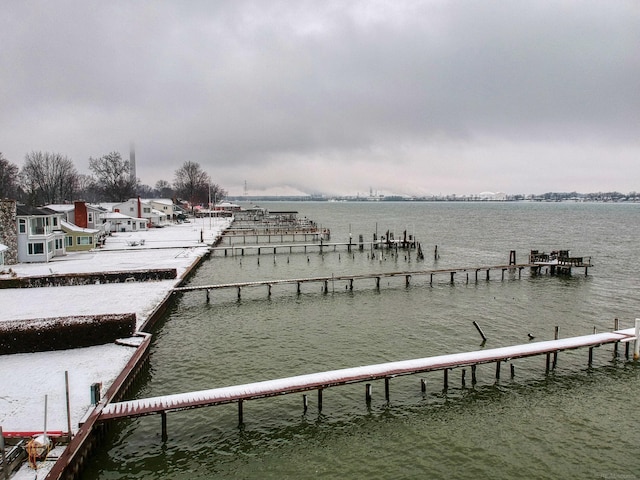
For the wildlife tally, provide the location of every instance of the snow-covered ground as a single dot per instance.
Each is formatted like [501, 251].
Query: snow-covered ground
[25, 379]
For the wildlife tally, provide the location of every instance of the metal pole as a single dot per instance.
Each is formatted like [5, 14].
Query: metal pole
[66, 386]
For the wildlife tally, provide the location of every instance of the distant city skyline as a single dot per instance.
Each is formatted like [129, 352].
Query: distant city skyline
[408, 98]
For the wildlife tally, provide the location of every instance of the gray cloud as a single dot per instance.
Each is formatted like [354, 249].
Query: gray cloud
[336, 97]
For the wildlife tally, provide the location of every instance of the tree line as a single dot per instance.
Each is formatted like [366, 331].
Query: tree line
[48, 178]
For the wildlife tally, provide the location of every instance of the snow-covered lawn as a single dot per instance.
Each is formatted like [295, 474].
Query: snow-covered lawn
[25, 379]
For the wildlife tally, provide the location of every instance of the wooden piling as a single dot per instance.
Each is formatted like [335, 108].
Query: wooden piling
[446, 378]
[240, 412]
[367, 393]
[555, 354]
[319, 399]
[473, 375]
[513, 370]
[305, 402]
[423, 385]
[163, 416]
[464, 374]
[475, 324]
[548, 363]
[386, 389]
[207, 294]
[616, 327]
[498, 370]
[590, 355]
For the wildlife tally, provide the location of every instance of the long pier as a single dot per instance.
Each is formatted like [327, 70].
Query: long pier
[385, 371]
[377, 276]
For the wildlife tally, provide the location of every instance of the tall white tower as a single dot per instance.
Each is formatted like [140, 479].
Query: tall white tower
[132, 163]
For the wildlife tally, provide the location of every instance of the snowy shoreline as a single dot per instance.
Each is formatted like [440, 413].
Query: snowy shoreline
[26, 378]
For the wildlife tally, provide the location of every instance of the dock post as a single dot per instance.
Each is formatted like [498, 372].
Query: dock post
[487, 274]
[452, 274]
[163, 415]
[473, 375]
[269, 290]
[548, 363]
[367, 393]
[239, 293]
[512, 257]
[476, 276]
[298, 288]
[475, 324]
[464, 375]
[207, 292]
[305, 402]
[590, 355]
[498, 370]
[351, 284]
[636, 350]
[431, 279]
[326, 287]
[240, 412]
[406, 281]
[319, 399]
[423, 385]
[386, 389]
[513, 370]
[626, 350]
[446, 378]
[377, 283]
[616, 327]
[555, 354]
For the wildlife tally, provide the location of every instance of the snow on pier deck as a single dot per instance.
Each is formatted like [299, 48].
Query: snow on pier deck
[321, 380]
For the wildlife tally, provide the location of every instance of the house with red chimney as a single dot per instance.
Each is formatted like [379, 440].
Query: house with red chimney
[139, 208]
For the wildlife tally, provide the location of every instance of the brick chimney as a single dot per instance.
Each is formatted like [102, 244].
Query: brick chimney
[81, 218]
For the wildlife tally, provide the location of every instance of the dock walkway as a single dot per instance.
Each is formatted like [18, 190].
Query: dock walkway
[322, 380]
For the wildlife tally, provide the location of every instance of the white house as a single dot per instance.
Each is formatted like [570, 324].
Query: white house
[164, 205]
[119, 222]
[136, 207]
[40, 236]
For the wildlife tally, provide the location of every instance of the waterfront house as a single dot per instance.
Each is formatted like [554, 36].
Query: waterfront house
[163, 205]
[142, 209]
[40, 235]
[119, 222]
[79, 239]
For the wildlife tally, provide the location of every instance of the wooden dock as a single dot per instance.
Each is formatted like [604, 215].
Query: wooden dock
[450, 273]
[385, 371]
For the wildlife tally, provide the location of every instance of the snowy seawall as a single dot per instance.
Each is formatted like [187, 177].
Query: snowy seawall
[60, 333]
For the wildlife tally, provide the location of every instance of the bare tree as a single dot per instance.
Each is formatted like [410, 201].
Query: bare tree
[112, 177]
[87, 188]
[192, 183]
[8, 178]
[48, 178]
[163, 189]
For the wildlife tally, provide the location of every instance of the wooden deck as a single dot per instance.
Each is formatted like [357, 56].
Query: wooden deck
[323, 380]
[349, 279]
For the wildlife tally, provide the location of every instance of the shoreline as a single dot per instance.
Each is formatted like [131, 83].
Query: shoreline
[28, 377]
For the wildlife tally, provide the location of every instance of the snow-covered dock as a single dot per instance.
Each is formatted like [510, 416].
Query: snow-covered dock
[322, 380]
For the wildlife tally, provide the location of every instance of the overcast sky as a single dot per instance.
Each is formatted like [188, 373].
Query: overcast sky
[402, 97]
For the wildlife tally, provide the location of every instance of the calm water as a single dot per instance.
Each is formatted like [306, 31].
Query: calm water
[575, 422]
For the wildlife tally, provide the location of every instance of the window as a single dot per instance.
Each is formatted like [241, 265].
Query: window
[36, 248]
[90, 217]
[37, 225]
[84, 240]
[146, 210]
[58, 244]
[68, 241]
[22, 226]
[55, 221]
[131, 209]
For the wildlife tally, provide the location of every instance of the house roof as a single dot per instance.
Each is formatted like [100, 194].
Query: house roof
[118, 216]
[74, 228]
[26, 211]
[62, 208]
